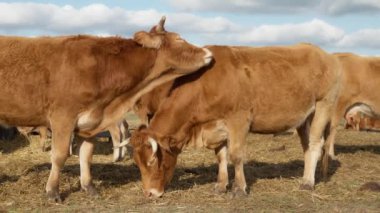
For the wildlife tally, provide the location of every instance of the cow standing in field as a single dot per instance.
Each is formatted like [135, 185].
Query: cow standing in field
[360, 86]
[84, 84]
[261, 90]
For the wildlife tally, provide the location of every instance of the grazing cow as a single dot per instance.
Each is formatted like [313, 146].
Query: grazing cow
[360, 83]
[262, 90]
[357, 120]
[41, 130]
[84, 84]
[212, 135]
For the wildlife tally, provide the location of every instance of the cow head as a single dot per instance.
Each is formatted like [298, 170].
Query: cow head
[173, 52]
[156, 162]
[353, 121]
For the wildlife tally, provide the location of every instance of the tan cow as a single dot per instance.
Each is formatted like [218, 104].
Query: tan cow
[359, 121]
[84, 84]
[211, 135]
[360, 83]
[261, 90]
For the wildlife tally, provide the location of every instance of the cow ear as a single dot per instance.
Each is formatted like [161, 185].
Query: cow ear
[152, 160]
[148, 40]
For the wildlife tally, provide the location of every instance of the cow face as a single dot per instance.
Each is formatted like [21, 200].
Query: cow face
[173, 52]
[353, 121]
[155, 163]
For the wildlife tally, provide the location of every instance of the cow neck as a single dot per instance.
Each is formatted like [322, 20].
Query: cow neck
[117, 109]
[170, 129]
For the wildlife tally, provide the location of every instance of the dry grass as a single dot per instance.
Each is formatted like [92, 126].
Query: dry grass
[273, 170]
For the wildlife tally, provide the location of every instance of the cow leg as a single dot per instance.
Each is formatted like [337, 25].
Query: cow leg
[119, 133]
[62, 128]
[304, 131]
[313, 152]
[222, 182]
[85, 158]
[43, 138]
[330, 137]
[116, 136]
[329, 146]
[238, 130]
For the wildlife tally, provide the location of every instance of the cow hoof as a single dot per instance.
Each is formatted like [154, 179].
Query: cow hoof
[307, 187]
[218, 189]
[53, 196]
[91, 190]
[239, 194]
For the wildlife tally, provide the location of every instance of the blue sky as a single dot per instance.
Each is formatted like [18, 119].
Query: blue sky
[335, 25]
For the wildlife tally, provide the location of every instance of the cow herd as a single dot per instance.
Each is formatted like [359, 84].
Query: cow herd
[211, 97]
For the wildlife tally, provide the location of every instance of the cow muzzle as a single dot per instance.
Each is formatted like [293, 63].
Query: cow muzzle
[208, 56]
[152, 193]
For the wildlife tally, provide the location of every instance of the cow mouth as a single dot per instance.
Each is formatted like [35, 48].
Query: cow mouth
[153, 193]
[208, 57]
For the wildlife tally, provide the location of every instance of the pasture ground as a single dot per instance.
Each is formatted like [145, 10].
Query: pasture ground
[273, 171]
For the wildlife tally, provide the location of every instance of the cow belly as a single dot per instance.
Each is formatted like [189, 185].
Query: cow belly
[280, 121]
[210, 135]
[22, 120]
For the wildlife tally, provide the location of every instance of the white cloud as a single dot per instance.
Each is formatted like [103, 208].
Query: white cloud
[36, 19]
[94, 18]
[315, 31]
[186, 22]
[341, 7]
[99, 19]
[365, 38]
[330, 7]
[283, 6]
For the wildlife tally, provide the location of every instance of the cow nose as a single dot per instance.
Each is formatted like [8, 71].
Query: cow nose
[152, 193]
[147, 194]
[208, 55]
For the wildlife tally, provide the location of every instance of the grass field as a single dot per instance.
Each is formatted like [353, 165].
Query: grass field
[273, 171]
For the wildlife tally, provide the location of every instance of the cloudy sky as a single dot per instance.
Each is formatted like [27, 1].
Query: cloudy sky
[335, 25]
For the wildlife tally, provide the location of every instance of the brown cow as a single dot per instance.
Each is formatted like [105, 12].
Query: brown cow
[212, 135]
[262, 90]
[84, 84]
[360, 83]
[359, 121]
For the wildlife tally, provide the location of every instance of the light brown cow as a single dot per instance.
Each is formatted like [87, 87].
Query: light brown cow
[84, 84]
[211, 135]
[360, 83]
[359, 121]
[262, 90]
